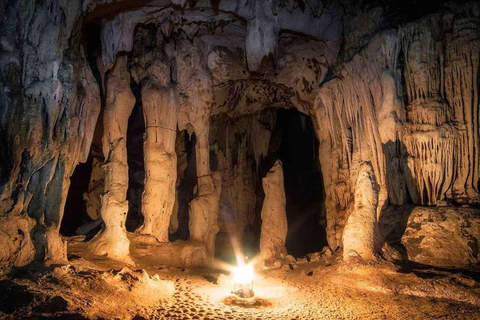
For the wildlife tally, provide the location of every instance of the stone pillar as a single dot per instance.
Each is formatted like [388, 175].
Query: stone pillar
[160, 112]
[274, 218]
[361, 230]
[113, 241]
[203, 224]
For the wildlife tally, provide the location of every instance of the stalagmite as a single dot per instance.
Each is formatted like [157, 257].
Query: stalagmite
[274, 218]
[204, 208]
[360, 235]
[203, 224]
[113, 241]
[159, 100]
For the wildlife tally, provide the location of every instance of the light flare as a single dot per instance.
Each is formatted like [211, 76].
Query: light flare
[243, 274]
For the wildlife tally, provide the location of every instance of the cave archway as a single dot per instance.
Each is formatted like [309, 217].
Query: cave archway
[75, 212]
[81, 214]
[82, 206]
[294, 142]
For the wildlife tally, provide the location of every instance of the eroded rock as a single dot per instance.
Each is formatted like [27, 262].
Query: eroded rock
[443, 237]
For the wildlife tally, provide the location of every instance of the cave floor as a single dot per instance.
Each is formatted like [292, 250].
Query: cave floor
[326, 288]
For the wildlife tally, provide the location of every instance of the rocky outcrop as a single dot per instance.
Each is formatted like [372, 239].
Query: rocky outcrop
[274, 218]
[402, 103]
[443, 237]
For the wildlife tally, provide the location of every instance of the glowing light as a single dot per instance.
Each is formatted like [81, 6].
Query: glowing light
[243, 274]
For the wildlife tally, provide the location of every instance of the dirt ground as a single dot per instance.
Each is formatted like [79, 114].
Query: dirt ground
[324, 288]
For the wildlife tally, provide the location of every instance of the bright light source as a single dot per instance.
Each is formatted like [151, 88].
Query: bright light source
[243, 274]
[243, 283]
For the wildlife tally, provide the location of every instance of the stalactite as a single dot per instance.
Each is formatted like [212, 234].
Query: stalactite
[347, 118]
[442, 114]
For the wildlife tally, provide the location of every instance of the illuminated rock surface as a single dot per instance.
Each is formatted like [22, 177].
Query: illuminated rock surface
[443, 237]
[145, 132]
[274, 218]
[361, 230]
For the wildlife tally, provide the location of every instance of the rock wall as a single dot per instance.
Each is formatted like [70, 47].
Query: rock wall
[407, 102]
[239, 151]
[50, 103]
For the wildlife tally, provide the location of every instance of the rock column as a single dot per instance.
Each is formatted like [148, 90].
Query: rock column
[113, 241]
[203, 224]
[361, 230]
[274, 218]
[160, 112]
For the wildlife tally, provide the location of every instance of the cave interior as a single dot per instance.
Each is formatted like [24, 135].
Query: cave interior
[149, 150]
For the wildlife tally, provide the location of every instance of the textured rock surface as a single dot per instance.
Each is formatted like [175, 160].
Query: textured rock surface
[274, 218]
[443, 237]
[50, 103]
[400, 103]
[392, 84]
[361, 230]
[112, 241]
[203, 224]
[160, 158]
[96, 187]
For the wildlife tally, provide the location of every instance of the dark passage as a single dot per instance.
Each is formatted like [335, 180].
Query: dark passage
[136, 167]
[294, 142]
[75, 213]
[186, 181]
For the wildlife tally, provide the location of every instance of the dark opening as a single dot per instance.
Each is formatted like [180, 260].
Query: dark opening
[186, 181]
[294, 142]
[75, 213]
[136, 167]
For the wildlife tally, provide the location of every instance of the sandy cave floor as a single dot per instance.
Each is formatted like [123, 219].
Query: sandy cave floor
[322, 289]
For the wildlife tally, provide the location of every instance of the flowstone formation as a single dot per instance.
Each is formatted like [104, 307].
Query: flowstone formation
[394, 85]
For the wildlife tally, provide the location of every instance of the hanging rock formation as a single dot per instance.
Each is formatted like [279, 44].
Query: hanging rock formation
[113, 241]
[406, 102]
[360, 235]
[274, 218]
